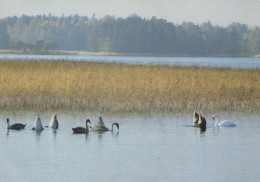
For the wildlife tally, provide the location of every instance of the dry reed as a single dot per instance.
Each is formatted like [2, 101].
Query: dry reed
[116, 87]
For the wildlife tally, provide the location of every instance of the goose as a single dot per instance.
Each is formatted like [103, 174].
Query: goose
[16, 126]
[37, 125]
[100, 126]
[202, 121]
[195, 118]
[54, 122]
[81, 130]
[223, 123]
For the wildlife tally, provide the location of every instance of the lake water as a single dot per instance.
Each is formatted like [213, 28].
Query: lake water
[147, 148]
[182, 61]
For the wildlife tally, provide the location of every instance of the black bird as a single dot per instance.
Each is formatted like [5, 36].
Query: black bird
[81, 130]
[202, 122]
[195, 118]
[16, 126]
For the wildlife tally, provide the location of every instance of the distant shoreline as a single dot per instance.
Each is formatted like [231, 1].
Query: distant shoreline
[63, 52]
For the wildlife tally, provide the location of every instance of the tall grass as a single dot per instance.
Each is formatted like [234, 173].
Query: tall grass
[116, 87]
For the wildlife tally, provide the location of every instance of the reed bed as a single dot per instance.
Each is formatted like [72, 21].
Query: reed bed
[116, 87]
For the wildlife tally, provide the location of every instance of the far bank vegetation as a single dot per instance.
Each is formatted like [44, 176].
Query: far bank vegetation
[43, 34]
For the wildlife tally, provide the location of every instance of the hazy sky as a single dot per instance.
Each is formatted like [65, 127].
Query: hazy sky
[219, 12]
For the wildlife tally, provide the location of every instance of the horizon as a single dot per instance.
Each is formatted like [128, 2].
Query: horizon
[176, 11]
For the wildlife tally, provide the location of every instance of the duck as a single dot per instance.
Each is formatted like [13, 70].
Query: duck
[100, 126]
[81, 130]
[16, 126]
[54, 124]
[202, 121]
[195, 118]
[37, 125]
[223, 123]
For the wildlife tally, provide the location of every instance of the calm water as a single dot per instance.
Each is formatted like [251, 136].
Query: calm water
[147, 148]
[183, 61]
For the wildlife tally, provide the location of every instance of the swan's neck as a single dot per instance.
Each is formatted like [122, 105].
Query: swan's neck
[216, 123]
[115, 125]
[8, 124]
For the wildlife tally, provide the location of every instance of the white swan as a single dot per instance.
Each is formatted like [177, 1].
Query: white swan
[37, 125]
[195, 118]
[54, 122]
[223, 123]
[100, 126]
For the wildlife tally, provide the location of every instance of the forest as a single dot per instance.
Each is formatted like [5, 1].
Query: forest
[44, 33]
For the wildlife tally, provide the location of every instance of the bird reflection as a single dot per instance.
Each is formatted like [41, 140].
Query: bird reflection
[115, 134]
[202, 130]
[100, 136]
[215, 130]
[38, 133]
[86, 137]
[54, 131]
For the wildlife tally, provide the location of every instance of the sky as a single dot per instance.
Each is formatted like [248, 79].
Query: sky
[218, 12]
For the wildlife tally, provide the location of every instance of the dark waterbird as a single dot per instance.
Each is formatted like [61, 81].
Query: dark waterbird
[202, 122]
[195, 118]
[81, 130]
[16, 126]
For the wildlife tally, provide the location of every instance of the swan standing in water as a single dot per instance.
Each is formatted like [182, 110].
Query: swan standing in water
[100, 126]
[16, 126]
[195, 118]
[54, 122]
[37, 125]
[81, 130]
[202, 121]
[223, 123]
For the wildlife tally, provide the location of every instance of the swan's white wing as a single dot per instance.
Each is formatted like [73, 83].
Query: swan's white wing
[100, 126]
[53, 122]
[100, 122]
[37, 125]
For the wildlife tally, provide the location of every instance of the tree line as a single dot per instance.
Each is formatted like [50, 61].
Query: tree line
[42, 34]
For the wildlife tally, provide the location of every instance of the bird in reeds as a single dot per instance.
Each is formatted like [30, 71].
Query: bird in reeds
[37, 125]
[100, 126]
[54, 122]
[195, 118]
[16, 126]
[223, 123]
[81, 130]
[202, 121]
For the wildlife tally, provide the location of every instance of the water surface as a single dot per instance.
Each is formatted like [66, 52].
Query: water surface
[147, 148]
[250, 63]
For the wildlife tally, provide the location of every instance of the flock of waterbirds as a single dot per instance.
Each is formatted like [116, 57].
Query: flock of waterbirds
[54, 124]
[198, 121]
